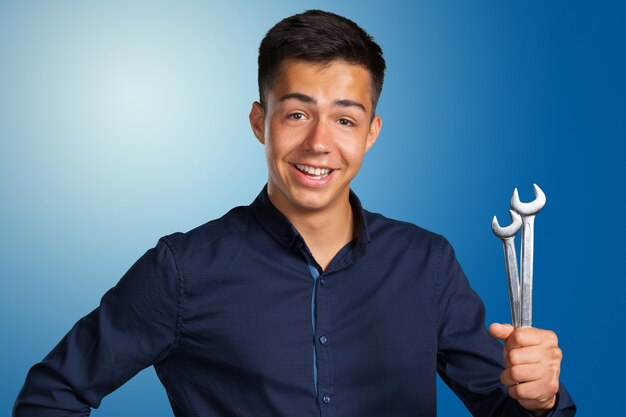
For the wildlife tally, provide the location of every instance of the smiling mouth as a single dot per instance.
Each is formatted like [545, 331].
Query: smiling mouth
[313, 172]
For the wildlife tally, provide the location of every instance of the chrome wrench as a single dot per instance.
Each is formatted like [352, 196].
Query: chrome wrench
[507, 235]
[528, 211]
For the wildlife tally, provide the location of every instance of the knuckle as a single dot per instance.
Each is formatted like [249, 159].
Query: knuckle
[516, 373]
[553, 387]
[557, 354]
[521, 392]
[503, 378]
[513, 340]
[553, 338]
[515, 357]
[514, 392]
[554, 371]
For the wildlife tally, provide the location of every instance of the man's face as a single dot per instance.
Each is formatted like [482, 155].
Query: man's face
[316, 127]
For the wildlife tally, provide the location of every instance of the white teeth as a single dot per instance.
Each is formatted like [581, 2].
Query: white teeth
[318, 172]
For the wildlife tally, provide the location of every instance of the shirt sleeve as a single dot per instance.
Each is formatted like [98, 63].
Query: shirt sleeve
[135, 326]
[469, 359]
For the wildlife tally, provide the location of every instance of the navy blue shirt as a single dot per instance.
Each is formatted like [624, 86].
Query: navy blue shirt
[238, 319]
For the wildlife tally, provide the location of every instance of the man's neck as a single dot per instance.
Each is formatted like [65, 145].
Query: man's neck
[325, 231]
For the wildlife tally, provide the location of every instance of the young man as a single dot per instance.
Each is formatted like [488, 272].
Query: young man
[303, 303]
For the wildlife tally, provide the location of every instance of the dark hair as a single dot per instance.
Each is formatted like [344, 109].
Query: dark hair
[319, 37]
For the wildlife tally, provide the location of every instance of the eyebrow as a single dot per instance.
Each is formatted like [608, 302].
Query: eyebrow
[308, 99]
[298, 96]
[349, 103]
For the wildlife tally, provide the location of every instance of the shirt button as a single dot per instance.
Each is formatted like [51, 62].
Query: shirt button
[322, 282]
[323, 340]
[326, 399]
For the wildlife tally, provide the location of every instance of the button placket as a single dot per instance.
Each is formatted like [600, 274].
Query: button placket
[324, 351]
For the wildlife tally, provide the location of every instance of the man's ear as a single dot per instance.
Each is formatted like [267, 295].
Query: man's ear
[257, 121]
[375, 126]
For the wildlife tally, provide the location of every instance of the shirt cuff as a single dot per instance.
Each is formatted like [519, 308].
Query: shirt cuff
[564, 406]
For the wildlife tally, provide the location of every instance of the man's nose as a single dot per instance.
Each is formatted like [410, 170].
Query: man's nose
[318, 138]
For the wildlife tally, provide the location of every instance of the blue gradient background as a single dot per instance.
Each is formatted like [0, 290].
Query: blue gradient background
[123, 121]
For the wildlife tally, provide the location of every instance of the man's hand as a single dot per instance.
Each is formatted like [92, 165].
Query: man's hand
[532, 362]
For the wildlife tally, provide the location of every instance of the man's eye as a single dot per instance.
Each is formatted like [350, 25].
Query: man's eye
[296, 116]
[346, 122]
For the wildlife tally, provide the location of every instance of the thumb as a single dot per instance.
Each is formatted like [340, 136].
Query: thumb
[501, 331]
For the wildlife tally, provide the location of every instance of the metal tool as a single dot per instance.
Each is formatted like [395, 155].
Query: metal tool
[528, 211]
[507, 235]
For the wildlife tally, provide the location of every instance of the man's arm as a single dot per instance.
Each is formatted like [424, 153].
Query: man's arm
[470, 360]
[136, 325]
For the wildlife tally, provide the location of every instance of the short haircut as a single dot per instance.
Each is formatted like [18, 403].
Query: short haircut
[319, 37]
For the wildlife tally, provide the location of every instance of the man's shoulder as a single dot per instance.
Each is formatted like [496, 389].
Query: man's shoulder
[232, 225]
[380, 225]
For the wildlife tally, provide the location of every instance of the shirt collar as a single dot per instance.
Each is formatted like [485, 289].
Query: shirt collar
[281, 229]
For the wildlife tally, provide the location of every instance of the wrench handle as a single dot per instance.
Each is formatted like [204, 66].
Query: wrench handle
[526, 267]
[510, 260]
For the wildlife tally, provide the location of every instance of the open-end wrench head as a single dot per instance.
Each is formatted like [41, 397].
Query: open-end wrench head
[510, 230]
[531, 208]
